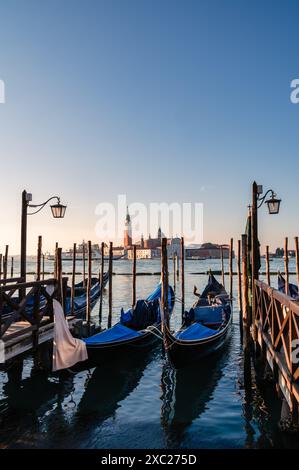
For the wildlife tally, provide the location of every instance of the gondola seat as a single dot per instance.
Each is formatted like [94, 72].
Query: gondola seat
[209, 315]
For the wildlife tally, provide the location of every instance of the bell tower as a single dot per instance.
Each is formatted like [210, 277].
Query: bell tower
[128, 231]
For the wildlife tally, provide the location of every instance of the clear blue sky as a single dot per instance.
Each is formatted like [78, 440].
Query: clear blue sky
[153, 99]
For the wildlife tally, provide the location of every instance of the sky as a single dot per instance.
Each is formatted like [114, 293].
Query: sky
[160, 100]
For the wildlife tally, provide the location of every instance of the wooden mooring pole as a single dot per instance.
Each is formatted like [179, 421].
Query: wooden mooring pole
[183, 277]
[268, 277]
[239, 277]
[286, 265]
[59, 273]
[231, 268]
[73, 278]
[174, 270]
[222, 266]
[83, 260]
[101, 283]
[5, 262]
[55, 261]
[1, 257]
[164, 279]
[110, 285]
[88, 305]
[11, 266]
[297, 259]
[245, 304]
[38, 258]
[43, 268]
[134, 277]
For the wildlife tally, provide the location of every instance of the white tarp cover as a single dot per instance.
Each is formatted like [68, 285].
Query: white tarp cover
[67, 350]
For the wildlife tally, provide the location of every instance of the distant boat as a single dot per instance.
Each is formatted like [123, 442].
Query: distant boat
[68, 256]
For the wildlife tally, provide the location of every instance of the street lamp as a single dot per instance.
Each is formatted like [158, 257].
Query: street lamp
[273, 203]
[58, 211]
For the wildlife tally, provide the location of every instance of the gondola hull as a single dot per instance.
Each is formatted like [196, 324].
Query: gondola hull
[184, 353]
[100, 354]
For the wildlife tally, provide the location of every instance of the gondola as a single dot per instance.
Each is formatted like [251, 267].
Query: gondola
[205, 327]
[137, 330]
[293, 290]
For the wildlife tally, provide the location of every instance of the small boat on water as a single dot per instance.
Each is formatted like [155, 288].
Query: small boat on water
[80, 297]
[138, 329]
[205, 328]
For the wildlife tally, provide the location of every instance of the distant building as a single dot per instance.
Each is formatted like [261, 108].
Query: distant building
[144, 253]
[279, 253]
[207, 251]
[174, 247]
[117, 251]
[154, 242]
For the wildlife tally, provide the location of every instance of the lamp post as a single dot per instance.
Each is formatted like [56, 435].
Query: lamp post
[273, 207]
[58, 211]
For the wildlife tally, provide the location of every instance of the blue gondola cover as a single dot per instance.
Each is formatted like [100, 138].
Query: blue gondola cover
[118, 332]
[195, 331]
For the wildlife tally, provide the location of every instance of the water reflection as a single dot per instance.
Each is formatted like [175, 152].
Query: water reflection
[107, 386]
[25, 402]
[186, 394]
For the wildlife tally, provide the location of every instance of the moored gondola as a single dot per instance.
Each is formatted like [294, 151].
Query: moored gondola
[293, 290]
[80, 295]
[205, 327]
[137, 330]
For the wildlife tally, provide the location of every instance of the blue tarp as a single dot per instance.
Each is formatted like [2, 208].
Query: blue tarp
[117, 333]
[208, 314]
[195, 331]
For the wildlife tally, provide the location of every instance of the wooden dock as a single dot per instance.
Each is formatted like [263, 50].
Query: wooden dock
[18, 337]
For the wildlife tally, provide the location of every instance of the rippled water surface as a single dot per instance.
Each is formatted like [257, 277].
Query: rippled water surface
[142, 402]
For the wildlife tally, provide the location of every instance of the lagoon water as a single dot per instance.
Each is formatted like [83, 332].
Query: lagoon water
[142, 402]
